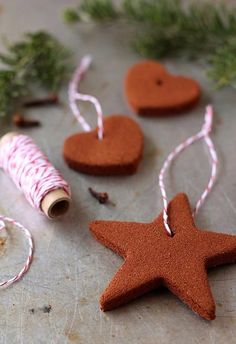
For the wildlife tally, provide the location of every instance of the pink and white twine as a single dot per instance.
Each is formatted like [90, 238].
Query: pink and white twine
[30, 169]
[35, 176]
[202, 134]
[74, 95]
[3, 221]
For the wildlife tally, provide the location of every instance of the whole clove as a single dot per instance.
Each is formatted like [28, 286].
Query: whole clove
[102, 197]
[21, 122]
[47, 309]
[52, 99]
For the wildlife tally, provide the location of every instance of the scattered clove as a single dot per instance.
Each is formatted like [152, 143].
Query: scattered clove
[102, 197]
[52, 99]
[47, 309]
[44, 309]
[21, 122]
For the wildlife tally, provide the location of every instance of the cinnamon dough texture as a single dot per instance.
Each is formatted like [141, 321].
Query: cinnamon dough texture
[118, 153]
[154, 259]
[152, 91]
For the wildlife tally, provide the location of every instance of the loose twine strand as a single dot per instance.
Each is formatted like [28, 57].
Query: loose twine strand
[26, 266]
[202, 134]
[74, 95]
[35, 176]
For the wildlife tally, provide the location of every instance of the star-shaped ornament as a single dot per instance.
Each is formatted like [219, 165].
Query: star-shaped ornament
[154, 259]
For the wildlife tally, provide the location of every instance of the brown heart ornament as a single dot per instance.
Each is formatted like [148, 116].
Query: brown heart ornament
[118, 153]
[151, 90]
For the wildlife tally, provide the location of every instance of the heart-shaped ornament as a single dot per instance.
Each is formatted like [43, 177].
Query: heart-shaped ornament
[118, 153]
[152, 91]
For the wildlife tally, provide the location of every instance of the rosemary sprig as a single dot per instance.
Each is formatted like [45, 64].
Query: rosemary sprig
[166, 28]
[38, 59]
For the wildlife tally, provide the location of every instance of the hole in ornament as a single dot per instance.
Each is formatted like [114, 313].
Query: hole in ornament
[172, 234]
[159, 82]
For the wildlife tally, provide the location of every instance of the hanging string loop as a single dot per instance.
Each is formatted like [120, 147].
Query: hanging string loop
[202, 134]
[74, 96]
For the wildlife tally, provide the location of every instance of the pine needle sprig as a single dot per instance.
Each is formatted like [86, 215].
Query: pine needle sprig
[38, 59]
[99, 10]
[11, 89]
[70, 15]
[187, 32]
[164, 28]
[223, 70]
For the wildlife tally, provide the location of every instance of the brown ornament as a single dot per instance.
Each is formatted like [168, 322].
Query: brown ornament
[118, 153]
[154, 259]
[152, 91]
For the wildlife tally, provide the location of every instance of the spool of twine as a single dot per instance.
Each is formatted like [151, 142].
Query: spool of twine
[34, 175]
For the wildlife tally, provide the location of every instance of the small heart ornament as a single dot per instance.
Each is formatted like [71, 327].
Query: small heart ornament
[118, 153]
[152, 91]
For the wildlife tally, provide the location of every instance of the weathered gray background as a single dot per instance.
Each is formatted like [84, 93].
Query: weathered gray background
[70, 268]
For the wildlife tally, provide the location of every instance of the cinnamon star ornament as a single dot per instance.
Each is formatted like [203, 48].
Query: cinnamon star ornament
[152, 91]
[154, 259]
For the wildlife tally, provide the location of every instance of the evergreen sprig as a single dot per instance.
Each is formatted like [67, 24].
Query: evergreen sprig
[164, 28]
[98, 10]
[11, 89]
[38, 59]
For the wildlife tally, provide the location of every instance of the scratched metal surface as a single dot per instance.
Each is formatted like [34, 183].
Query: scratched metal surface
[70, 268]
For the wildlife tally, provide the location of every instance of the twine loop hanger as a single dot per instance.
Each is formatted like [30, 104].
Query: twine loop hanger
[74, 96]
[203, 134]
